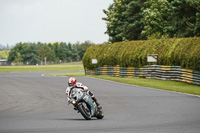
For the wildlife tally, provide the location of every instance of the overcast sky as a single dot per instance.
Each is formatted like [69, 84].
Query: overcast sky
[52, 21]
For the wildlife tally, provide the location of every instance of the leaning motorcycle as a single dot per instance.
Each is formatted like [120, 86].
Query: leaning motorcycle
[84, 104]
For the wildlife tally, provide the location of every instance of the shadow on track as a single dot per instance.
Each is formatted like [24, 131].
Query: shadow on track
[72, 119]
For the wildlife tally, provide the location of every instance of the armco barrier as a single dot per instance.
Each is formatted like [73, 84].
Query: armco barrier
[123, 72]
[163, 72]
[196, 77]
[110, 71]
[104, 70]
[175, 73]
[98, 71]
[187, 76]
[116, 71]
[130, 72]
[151, 71]
[141, 73]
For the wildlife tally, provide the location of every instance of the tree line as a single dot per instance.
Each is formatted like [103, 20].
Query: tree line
[152, 19]
[4, 54]
[38, 53]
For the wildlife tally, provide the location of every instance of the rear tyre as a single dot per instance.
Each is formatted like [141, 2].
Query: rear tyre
[85, 111]
[100, 114]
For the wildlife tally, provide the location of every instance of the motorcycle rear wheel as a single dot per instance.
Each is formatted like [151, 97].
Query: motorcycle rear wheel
[85, 111]
[100, 114]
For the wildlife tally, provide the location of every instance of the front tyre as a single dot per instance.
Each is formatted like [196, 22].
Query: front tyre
[84, 110]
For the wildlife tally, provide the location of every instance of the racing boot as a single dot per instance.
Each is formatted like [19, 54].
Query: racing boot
[93, 97]
[98, 104]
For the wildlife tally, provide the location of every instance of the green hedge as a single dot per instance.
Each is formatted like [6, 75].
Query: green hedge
[184, 52]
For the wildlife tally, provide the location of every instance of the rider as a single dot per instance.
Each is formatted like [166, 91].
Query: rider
[72, 82]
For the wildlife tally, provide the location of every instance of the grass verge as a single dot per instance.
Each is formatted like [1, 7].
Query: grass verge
[152, 83]
[74, 66]
[158, 84]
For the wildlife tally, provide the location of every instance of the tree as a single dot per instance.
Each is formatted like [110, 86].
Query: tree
[183, 18]
[83, 47]
[114, 21]
[33, 53]
[125, 20]
[18, 58]
[156, 18]
[24, 52]
[32, 56]
[44, 51]
[18, 52]
[196, 5]
[75, 53]
[133, 20]
[146, 19]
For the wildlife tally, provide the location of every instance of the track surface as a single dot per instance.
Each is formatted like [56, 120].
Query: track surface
[30, 102]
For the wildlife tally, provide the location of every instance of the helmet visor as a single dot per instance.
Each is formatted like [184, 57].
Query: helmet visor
[71, 84]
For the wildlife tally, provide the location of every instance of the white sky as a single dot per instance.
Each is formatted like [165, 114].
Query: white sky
[52, 21]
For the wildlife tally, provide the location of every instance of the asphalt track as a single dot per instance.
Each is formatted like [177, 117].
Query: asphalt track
[30, 103]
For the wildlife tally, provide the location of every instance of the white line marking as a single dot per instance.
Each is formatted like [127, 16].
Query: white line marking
[43, 75]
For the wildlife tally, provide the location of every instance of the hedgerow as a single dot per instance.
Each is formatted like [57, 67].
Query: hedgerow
[184, 52]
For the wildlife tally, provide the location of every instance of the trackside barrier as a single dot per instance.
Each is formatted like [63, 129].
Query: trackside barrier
[161, 72]
[130, 72]
[123, 72]
[104, 70]
[151, 71]
[110, 71]
[116, 71]
[196, 77]
[97, 71]
[187, 76]
[141, 72]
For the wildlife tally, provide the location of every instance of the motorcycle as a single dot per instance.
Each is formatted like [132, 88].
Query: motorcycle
[84, 104]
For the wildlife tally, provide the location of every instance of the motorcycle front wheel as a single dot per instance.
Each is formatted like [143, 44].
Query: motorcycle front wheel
[84, 110]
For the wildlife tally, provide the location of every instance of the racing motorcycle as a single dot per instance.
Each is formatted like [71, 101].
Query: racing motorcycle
[84, 104]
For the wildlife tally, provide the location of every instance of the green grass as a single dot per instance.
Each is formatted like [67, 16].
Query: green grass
[75, 66]
[152, 83]
[158, 84]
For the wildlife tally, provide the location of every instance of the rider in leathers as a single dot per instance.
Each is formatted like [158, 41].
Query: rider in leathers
[72, 82]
